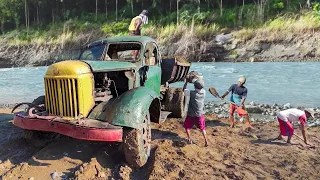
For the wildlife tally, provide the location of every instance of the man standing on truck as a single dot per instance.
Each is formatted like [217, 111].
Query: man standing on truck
[238, 97]
[195, 115]
[137, 22]
[135, 27]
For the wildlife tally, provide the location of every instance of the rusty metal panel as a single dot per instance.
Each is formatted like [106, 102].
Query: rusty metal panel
[173, 70]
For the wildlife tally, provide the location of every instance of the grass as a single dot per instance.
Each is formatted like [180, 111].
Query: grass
[282, 28]
[173, 32]
[279, 29]
[67, 33]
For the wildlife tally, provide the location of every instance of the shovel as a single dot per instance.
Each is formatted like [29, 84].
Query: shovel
[215, 93]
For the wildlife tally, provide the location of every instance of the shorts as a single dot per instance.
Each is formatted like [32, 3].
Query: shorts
[240, 110]
[191, 121]
[135, 33]
[286, 127]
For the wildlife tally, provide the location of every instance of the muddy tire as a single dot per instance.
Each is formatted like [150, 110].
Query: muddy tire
[175, 102]
[137, 144]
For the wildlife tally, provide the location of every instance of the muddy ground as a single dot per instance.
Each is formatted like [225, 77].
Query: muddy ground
[232, 154]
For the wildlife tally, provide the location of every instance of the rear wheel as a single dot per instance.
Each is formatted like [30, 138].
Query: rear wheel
[137, 144]
[175, 102]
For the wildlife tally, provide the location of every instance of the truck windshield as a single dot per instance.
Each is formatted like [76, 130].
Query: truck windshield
[121, 51]
[93, 53]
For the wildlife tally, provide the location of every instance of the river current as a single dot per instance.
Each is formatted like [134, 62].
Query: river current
[297, 83]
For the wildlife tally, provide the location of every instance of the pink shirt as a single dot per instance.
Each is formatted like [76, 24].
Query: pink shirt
[293, 115]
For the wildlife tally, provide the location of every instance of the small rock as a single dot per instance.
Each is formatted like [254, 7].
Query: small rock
[220, 116]
[254, 109]
[252, 59]
[241, 119]
[252, 103]
[31, 178]
[254, 136]
[287, 106]
[57, 175]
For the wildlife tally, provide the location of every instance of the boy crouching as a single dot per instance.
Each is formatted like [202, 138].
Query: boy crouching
[195, 115]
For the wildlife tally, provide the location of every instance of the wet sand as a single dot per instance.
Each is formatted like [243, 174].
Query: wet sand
[232, 154]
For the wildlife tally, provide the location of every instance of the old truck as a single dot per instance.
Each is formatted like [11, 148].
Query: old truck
[116, 88]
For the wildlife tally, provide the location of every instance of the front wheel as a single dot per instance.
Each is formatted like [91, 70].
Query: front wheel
[137, 144]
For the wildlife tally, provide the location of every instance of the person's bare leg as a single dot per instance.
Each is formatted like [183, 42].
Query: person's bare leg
[205, 137]
[231, 118]
[188, 134]
[279, 137]
[289, 139]
[247, 121]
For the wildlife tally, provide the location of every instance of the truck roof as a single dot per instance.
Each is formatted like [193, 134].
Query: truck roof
[141, 39]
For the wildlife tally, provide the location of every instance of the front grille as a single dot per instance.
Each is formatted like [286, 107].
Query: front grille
[62, 98]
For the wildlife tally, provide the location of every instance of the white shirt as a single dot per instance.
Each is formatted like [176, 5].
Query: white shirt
[291, 115]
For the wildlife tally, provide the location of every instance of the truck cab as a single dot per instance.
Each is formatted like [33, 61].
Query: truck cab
[111, 93]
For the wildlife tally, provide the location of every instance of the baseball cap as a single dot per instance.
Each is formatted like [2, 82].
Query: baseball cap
[242, 79]
[198, 84]
[310, 111]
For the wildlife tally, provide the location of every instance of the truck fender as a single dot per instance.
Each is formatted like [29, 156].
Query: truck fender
[129, 109]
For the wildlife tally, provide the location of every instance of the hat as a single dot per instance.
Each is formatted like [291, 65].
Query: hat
[198, 84]
[144, 12]
[310, 111]
[242, 79]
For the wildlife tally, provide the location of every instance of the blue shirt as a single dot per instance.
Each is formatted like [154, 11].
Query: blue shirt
[237, 93]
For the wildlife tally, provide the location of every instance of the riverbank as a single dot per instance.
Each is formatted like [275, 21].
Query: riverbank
[232, 154]
[257, 112]
[280, 40]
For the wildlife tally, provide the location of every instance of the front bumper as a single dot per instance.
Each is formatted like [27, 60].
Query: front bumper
[89, 129]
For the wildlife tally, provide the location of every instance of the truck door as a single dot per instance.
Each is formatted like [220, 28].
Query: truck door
[152, 65]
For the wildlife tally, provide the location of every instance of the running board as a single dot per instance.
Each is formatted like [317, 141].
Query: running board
[164, 115]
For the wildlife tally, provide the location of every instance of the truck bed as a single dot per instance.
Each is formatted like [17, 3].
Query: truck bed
[174, 69]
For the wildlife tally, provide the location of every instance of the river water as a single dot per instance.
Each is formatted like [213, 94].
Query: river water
[297, 83]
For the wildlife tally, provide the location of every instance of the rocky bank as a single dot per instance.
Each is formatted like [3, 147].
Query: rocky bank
[219, 48]
[258, 112]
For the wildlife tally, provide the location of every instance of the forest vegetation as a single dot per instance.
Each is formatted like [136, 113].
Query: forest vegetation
[58, 21]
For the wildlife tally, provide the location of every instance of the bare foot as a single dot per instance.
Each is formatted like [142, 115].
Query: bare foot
[311, 146]
[206, 145]
[250, 126]
[190, 141]
[279, 138]
[232, 125]
[292, 143]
